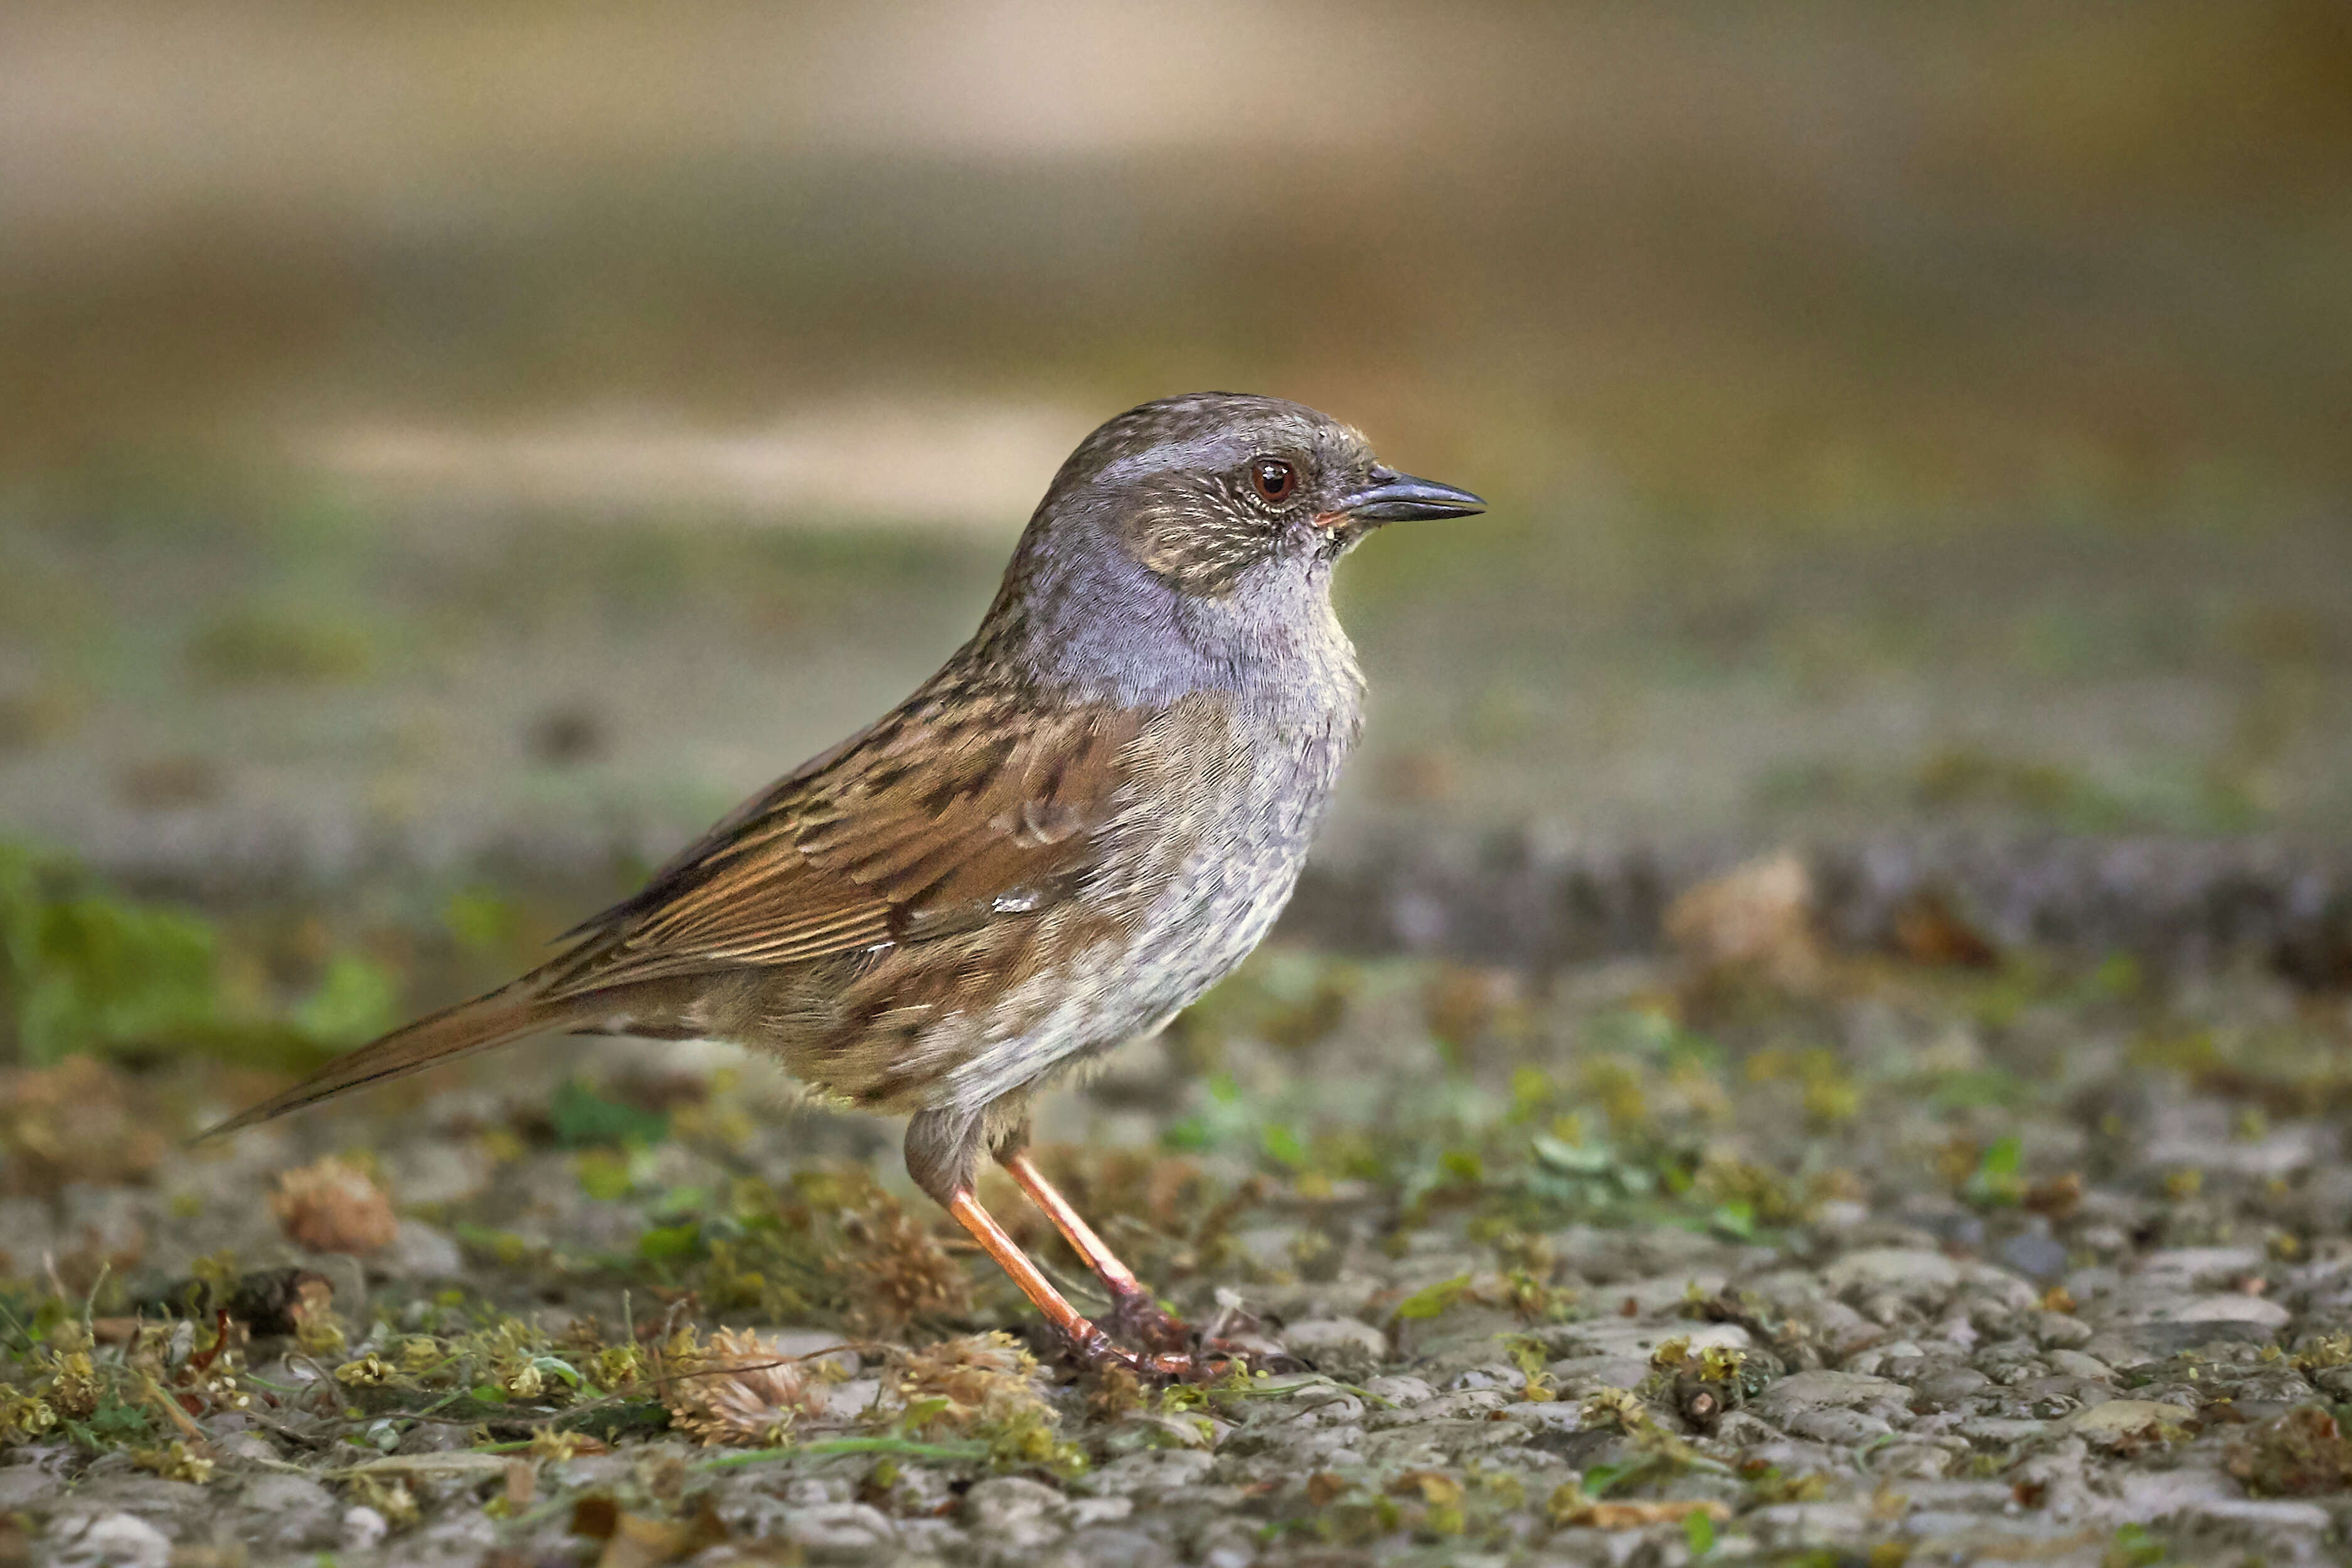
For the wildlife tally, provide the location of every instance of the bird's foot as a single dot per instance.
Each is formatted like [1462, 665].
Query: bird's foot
[1169, 1351]
[1138, 1320]
[1099, 1353]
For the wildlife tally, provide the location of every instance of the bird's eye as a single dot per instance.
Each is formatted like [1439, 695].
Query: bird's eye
[1276, 481]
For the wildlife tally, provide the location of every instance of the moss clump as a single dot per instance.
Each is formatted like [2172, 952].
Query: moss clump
[983, 1386]
[2302, 1453]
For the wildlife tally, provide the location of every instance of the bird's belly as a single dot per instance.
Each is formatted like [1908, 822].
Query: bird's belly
[1245, 850]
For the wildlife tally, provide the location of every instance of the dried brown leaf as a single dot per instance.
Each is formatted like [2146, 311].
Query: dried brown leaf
[332, 1206]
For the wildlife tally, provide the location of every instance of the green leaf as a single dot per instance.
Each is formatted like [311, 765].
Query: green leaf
[920, 1413]
[557, 1368]
[1463, 1166]
[356, 1000]
[1433, 1299]
[1698, 1529]
[669, 1243]
[1189, 1136]
[583, 1118]
[1997, 1179]
[1283, 1146]
[603, 1174]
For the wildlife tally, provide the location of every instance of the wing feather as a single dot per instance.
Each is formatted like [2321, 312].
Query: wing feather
[921, 829]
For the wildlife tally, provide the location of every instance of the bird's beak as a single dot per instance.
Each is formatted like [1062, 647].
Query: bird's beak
[1399, 497]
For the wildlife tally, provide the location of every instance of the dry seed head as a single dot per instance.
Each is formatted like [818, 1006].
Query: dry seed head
[741, 1389]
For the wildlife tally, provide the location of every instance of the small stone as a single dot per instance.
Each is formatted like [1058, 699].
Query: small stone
[2233, 1307]
[1904, 1272]
[2121, 1418]
[27, 1486]
[1013, 1511]
[1343, 1347]
[1084, 1512]
[437, 1171]
[1402, 1390]
[284, 1513]
[848, 1401]
[1912, 1462]
[2192, 1267]
[1791, 1527]
[2276, 1513]
[842, 1532]
[816, 1492]
[1830, 1388]
[418, 1251]
[1623, 1338]
[2074, 1364]
[2058, 1329]
[1582, 1375]
[1149, 1472]
[1996, 1432]
[1950, 1387]
[1128, 1548]
[1836, 1407]
[2154, 1494]
[1875, 1360]
[110, 1540]
[2036, 1256]
[364, 1529]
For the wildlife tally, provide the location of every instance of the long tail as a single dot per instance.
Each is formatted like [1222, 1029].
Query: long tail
[494, 1019]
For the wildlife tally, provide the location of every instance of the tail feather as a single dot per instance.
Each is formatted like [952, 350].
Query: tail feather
[494, 1019]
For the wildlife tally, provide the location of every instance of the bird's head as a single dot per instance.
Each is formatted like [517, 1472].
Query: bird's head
[1207, 490]
[1215, 516]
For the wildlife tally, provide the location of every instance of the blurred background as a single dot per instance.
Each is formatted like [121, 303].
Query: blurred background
[440, 438]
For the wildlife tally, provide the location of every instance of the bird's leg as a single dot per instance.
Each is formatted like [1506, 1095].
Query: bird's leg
[1089, 1342]
[1134, 1314]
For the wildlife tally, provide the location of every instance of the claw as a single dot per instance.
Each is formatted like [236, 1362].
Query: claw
[1138, 1320]
[1201, 1360]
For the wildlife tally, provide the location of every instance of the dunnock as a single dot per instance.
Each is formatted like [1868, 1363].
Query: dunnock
[1082, 823]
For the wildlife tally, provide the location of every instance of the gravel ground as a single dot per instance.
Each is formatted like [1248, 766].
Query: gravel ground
[1767, 1252]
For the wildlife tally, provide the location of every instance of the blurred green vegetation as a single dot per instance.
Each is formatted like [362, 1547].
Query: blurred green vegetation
[86, 970]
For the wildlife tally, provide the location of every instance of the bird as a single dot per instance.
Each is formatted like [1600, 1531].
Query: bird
[1091, 814]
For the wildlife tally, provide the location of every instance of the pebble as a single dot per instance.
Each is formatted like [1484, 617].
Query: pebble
[2127, 1418]
[850, 1532]
[1013, 1511]
[1340, 1346]
[28, 1485]
[2074, 1364]
[1909, 1274]
[289, 1513]
[362, 1529]
[109, 1541]
[2037, 1256]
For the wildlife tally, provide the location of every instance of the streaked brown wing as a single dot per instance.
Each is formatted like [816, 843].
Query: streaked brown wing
[922, 827]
